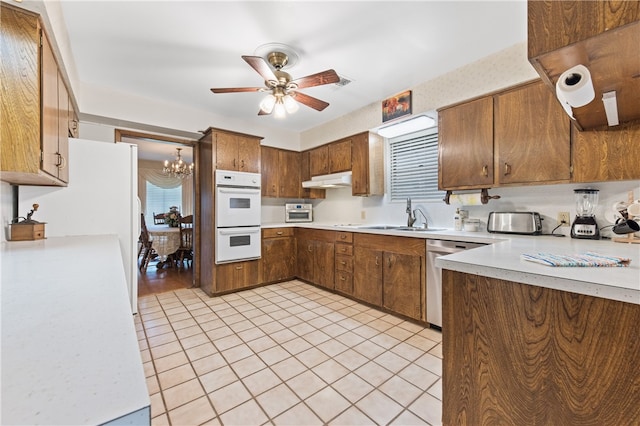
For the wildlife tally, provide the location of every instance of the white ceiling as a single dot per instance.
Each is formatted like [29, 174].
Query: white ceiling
[175, 51]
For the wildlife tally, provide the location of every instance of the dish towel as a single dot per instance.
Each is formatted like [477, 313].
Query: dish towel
[586, 259]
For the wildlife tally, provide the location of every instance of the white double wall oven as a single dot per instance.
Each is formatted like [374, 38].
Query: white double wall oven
[238, 209]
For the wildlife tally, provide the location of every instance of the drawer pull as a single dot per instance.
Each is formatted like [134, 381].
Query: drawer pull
[279, 233]
[377, 261]
[343, 236]
[342, 262]
[342, 278]
[485, 170]
[507, 169]
[309, 248]
[238, 268]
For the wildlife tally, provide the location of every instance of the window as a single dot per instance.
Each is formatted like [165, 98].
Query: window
[413, 167]
[160, 199]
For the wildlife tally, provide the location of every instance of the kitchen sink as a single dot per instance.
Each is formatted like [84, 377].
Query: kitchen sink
[401, 228]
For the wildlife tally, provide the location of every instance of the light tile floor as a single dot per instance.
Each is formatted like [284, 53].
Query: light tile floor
[285, 354]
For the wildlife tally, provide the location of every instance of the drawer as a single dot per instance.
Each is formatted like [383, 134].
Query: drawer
[344, 282]
[345, 249]
[344, 263]
[277, 232]
[344, 237]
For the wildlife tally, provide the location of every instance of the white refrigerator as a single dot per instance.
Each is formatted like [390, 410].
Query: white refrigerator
[101, 198]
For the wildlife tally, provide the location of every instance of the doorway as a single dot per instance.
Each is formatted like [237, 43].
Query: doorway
[160, 194]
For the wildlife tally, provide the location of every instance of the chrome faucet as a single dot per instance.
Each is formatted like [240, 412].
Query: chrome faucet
[411, 219]
[419, 210]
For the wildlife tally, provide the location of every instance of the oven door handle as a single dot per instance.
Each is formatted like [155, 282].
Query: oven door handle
[238, 191]
[238, 231]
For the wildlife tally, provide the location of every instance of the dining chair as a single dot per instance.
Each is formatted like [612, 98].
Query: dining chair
[146, 245]
[158, 219]
[185, 251]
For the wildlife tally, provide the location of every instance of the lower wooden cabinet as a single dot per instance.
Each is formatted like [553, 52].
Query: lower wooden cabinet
[390, 272]
[367, 274]
[344, 262]
[316, 256]
[237, 275]
[278, 254]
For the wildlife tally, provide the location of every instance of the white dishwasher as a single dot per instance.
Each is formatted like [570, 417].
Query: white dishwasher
[436, 248]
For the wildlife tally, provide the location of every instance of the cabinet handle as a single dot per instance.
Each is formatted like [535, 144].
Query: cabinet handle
[279, 233]
[62, 162]
[343, 249]
[342, 278]
[343, 236]
[242, 164]
[389, 262]
[377, 262]
[485, 170]
[507, 169]
[342, 262]
[309, 248]
[238, 268]
[234, 163]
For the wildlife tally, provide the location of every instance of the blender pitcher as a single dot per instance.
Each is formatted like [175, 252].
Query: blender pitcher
[585, 225]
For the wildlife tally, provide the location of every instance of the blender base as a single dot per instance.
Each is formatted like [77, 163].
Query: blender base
[585, 227]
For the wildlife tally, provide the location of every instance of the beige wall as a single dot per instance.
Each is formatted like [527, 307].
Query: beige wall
[503, 69]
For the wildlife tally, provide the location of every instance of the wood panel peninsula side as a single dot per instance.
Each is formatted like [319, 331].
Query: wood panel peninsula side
[516, 353]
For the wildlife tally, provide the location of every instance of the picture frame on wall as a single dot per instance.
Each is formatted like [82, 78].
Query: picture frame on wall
[396, 106]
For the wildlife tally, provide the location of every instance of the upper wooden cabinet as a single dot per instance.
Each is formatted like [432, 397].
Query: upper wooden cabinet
[305, 174]
[236, 151]
[603, 36]
[35, 104]
[333, 157]
[280, 173]
[340, 156]
[465, 145]
[531, 137]
[518, 136]
[606, 154]
[367, 158]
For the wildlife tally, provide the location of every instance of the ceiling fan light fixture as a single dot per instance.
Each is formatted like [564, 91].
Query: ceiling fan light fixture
[290, 104]
[268, 103]
[279, 110]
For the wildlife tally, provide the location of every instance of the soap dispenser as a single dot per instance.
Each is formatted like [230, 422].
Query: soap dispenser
[457, 221]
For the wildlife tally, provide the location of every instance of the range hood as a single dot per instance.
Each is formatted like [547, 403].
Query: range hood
[334, 180]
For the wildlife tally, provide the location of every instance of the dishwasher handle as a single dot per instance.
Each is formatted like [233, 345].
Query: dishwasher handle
[446, 246]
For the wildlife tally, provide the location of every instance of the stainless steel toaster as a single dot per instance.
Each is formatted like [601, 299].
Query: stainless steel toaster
[527, 223]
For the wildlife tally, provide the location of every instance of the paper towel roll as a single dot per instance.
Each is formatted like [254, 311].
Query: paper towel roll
[575, 87]
[466, 199]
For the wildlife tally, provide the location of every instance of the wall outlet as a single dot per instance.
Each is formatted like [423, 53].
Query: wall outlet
[563, 218]
[363, 214]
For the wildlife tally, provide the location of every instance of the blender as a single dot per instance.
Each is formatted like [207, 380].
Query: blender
[584, 225]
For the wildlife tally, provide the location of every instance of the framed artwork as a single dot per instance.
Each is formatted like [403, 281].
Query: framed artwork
[396, 106]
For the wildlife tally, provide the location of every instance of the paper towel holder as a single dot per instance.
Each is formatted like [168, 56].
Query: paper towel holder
[484, 196]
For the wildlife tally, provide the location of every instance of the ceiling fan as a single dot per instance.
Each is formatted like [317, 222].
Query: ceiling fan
[283, 90]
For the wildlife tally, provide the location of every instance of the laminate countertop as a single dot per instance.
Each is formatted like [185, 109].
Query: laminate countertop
[500, 259]
[70, 353]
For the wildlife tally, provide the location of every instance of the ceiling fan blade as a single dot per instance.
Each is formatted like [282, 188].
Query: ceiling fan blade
[236, 89]
[310, 101]
[324, 77]
[261, 66]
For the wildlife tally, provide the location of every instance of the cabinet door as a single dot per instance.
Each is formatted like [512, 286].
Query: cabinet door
[49, 90]
[340, 156]
[367, 275]
[289, 183]
[532, 137]
[323, 268]
[19, 91]
[360, 165]
[269, 171]
[237, 275]
[319, 160]
[248, 155]
[606, 155]
[63, 130]
[403, 284]
[278, 259]
[305, 174]
[465, 146]
[226, 151]
[304, 264]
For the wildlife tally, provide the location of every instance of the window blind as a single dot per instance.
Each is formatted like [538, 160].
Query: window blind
[160, 199]
[413, 167]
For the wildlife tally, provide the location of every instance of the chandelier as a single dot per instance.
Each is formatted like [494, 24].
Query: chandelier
[177, 168]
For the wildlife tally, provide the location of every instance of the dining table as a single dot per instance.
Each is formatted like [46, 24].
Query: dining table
[165, 240]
